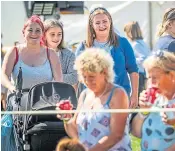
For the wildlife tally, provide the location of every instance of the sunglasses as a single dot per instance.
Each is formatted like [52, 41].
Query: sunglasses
[171, 14]
[98, 8]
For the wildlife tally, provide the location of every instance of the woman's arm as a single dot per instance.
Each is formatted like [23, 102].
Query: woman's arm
[7, 68]
[56, 66]
[132, 69]
[138, 120]
[136, 125]
[116, 129]
[171, 148]
[71, 126]
[134, 77]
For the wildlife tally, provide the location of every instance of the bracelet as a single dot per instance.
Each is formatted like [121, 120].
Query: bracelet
[65, 121]
[143, 115]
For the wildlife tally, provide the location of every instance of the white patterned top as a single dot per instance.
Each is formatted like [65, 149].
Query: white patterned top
[95, 125]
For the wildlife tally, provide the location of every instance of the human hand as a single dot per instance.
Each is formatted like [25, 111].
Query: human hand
[143, 100]
[12, 89]
[64, 105]
[171, 148]
[133, 101]
[166, 120]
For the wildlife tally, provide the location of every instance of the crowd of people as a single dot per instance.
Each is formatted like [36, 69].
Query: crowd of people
[110, 71]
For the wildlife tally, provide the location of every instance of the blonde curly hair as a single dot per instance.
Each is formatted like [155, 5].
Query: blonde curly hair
[95, 60]
[161, 59]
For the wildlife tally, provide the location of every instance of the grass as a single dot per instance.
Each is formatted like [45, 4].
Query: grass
[135, 143]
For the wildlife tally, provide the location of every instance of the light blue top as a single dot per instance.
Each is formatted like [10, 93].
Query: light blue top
[94, 125]
[156, 135]
[32, 75]
[166, 42]
[141, 52]
[124, 62]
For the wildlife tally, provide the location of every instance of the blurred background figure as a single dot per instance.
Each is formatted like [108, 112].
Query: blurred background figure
[141, 50]
[67, 144]
[166, 32]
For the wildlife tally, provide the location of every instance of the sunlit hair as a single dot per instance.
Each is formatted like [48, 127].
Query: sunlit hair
[133, 31]
[33, 19]
[168, 17]
[50, 23]
[67, 144]
[161, 59]
[112, 39]
[95, 60]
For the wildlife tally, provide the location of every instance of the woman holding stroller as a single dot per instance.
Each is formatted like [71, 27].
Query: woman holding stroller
[101, 35]
[99, 131]
[39, 64]
[157, 130]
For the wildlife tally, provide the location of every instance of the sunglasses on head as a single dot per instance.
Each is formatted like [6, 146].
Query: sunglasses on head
[98, 8]
[171, 14]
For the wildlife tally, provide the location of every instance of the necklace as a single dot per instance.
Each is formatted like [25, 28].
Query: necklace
[99, 97]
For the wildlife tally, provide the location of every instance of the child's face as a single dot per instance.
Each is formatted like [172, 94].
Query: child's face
[53, 37]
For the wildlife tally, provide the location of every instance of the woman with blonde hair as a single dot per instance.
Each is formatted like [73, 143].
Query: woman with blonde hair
[166, 32]
[157, 130]
[99, 131]
[67, 144]
[100, 34]
[54, 39]
[134, 34]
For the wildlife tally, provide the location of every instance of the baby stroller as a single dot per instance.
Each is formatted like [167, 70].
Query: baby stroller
[39, 132]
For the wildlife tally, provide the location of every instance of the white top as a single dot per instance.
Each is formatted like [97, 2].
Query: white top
[32, 75]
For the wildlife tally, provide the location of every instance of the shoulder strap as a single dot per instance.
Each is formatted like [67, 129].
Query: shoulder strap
[84, 96]
[47, 51]
[110, 96]
[17, 56]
